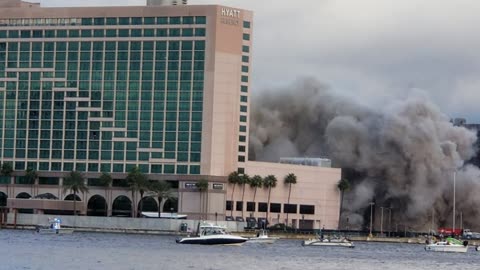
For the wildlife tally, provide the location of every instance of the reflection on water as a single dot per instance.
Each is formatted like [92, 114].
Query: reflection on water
[28, 250]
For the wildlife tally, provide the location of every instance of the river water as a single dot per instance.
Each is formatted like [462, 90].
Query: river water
[29, 250]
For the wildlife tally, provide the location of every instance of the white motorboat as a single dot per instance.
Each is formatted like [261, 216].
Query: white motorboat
[262, 237]
[449, 245]
[54, 227]
[329, 242]
[477, 248]
[208, 234]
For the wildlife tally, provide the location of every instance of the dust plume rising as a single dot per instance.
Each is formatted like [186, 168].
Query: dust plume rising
[406, 151]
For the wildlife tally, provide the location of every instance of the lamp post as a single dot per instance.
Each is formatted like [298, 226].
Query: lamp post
[371, 218]
[381, 221]
[389, 220]
[454, 176]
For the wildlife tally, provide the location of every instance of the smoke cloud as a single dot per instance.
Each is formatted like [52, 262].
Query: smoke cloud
[406, 152]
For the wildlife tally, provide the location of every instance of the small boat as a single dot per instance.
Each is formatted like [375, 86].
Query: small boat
[329, 242]
[449, 245]
[262, 237]
[477, 248]
[54, 227]
[208, 234]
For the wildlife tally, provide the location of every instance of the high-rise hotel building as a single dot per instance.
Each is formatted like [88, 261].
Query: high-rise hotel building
[105, 89]
[161, 88]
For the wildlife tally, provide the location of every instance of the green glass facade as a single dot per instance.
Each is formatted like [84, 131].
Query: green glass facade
[103, 94]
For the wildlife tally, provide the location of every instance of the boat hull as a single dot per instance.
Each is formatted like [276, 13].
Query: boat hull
[55, 231]
[263, 240]
[211, 241]
[311, 243]
[446, 248]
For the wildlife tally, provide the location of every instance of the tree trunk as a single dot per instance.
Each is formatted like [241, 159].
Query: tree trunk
[159, 206]
[74, 203]
[206, 204]
[254, 195]
[268, 205]
[106, 202]
[140, 206]
[134, 204]
[243, 198]
[340, 211]
[233, 191]
[289, 192]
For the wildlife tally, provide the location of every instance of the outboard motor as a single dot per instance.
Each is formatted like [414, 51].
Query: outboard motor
[465, 243]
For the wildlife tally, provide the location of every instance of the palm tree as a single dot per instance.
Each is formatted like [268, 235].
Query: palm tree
[233, 178]
[343, 185]
[269, 182]
[105, 181]
[243, 181]
[30, 177]
[7, 170]
[202, 186]
[138, 182]
[162, 191]
[289, 180]
[255, 182]
[75, 183]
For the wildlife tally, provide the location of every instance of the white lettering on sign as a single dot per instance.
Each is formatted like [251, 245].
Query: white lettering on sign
[228, 12]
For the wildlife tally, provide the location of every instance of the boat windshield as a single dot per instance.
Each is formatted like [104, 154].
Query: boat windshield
[213, 231]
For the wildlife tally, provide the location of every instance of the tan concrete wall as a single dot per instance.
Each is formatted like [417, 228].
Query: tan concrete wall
[315, 186]
[119, 223]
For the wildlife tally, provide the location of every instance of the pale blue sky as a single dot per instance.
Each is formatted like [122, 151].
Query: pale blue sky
[372, 50]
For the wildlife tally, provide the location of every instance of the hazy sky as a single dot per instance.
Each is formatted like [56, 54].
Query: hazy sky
[373, 50]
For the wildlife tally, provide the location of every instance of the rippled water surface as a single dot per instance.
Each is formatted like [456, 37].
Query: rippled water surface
[28, 250]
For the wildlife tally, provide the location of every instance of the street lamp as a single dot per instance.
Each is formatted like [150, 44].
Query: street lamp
[389, 220]
[381, 221]
[454, 176]
[371, 218]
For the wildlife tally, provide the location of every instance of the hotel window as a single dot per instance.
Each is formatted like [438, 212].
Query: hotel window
[188, 20]
[307, 209]
[241, 170]
[149, 20]
[200, 20]
[137, 21]
[241, 158]
[124, 21]
[262, 207]
[243, 98]
[175, 20]
[162, 20]
[246, 24]
[275, 207]
[243, 108]
[228, 206]
[244, 88]
[200, 32]
[242, 138]
[245, 59]
[245, 49]
[246, 36]
[244, 68]
[245, 79]
[290, 208]
[243, 128]
[250, 206]
[239, 206]
[241, 148]
[243, 118]
[99, 21]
